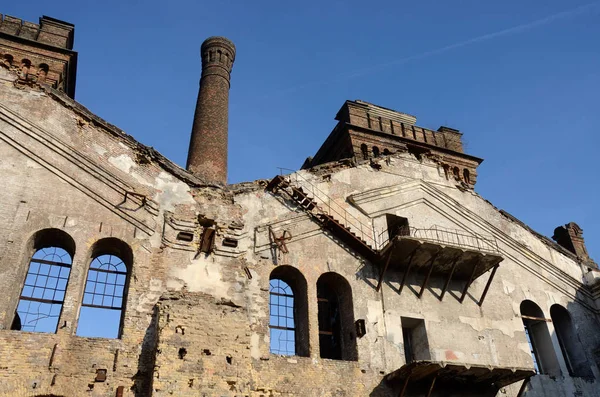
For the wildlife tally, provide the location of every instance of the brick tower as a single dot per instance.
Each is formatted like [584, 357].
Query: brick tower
[39, 53]
[207, 155]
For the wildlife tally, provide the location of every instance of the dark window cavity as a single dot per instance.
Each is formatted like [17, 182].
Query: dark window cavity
[414, 335]
[43, 293]
[337, 339]
[375, 151]
[447, 171]
[365, 151]
[466, 176]
[456, 173]
[570, 345]
[288, 312]
[397, 226]
[105, 290]
[538, 337]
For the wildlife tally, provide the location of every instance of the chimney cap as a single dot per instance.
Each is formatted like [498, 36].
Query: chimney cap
[216, 41]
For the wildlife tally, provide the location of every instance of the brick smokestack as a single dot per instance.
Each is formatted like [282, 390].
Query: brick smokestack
[207, 156]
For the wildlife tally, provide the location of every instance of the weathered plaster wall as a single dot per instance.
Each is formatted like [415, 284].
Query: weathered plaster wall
[62, 168]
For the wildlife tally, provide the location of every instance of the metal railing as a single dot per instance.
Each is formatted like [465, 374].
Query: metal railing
[436, 234]
[328, 206]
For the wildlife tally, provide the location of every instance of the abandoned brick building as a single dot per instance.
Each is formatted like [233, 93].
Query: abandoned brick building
[374, 270]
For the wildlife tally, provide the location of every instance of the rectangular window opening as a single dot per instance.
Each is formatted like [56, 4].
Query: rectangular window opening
[414, 335]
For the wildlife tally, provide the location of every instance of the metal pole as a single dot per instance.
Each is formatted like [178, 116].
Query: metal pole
[387, 262]
[468, 284]
[523, 386]
[433, 257]
[431, 387]
[450, 276]
[405, 275]
[487, 286]
[404, 386]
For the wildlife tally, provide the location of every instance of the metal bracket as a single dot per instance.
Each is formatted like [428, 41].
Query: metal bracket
[280, 242]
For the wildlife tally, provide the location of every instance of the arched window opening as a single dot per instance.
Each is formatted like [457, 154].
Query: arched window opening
[456, 173]
[447, 171]
[365, 151]
[538, 337]
[375, 151]
[25, 66]
[8, 59]
[569, 342]
[42, 72]
[288, 312]
[281, 318]
[386, 152]
[43, 293]
[105, 291]
[466, 176]
[336, 318]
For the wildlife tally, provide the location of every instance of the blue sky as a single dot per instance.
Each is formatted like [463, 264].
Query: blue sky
[520, 79]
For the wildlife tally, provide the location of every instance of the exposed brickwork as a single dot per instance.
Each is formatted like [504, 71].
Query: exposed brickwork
[207, 155]
[366, 132]
[39, 53]
[570, 236]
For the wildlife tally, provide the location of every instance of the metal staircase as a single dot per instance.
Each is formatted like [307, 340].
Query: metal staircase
[331, 215]
[453, 254]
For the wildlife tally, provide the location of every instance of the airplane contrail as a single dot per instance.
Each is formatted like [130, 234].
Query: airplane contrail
[505, 32]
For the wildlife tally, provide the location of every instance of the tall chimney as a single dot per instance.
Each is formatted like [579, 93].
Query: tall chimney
[207, 156]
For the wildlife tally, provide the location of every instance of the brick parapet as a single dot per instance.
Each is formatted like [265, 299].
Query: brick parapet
[366, 115]
[49, 31]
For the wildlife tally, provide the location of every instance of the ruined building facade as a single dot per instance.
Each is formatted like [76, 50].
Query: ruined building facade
[374, 270]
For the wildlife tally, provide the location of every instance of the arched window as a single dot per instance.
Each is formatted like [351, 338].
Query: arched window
[447, 171]
[466, 176]
[538, 337]
[105, 291]
[569, 342]
[456, 173]
[288, 312]
[375, 151]
[46, 282]
[8, 59]
[336, 318]
[365, 151]
[42, 72]
[25, 66]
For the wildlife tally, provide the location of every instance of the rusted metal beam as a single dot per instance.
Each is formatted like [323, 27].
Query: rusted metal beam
[431, 387]
[405, 275]
[487, 286]
[447, 283]
[468, 284]
[536, 318]
[387, 263]
[433, 258]
[523, 387]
